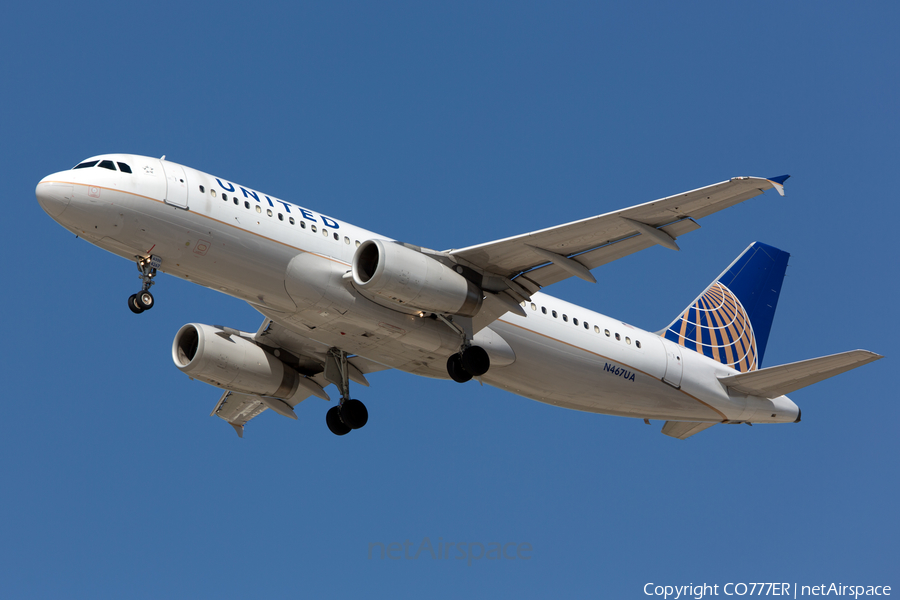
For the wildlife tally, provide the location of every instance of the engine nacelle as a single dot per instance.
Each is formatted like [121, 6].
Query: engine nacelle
[229, 361]
[403, 276]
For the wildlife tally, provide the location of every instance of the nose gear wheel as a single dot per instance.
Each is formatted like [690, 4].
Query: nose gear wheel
[143, 300]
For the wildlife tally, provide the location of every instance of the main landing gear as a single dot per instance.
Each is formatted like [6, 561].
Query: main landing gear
[471, 361]
[349, 414]
[143, 300]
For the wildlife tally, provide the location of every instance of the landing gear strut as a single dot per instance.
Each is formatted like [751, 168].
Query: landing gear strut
[143, 300]
[350, 413]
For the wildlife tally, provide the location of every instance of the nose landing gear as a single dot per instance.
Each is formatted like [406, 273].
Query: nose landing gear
[143, 300]
[138, 303]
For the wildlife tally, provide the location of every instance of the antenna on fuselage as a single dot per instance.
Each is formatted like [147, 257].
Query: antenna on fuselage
[163, 157]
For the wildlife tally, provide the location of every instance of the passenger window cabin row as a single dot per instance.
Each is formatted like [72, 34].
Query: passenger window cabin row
[585, 324]
[312, 226]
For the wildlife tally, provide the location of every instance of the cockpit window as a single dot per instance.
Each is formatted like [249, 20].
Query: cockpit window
[126, 169]
[86, 164]
[107, 164]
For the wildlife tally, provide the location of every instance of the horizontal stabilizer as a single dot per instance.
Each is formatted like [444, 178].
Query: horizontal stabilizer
[684, 429]
[773, 382]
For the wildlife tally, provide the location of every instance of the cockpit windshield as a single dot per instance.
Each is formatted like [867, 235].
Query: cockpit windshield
[105, 164]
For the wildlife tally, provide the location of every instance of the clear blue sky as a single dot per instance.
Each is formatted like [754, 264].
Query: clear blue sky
[445, 125]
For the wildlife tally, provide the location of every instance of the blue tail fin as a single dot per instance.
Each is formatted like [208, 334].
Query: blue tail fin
[731, 320]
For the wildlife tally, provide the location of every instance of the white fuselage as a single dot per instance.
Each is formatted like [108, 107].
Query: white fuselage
[290, 263]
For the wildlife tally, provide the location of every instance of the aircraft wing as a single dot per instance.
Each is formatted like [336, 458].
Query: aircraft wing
[304, 355]
[540, 258]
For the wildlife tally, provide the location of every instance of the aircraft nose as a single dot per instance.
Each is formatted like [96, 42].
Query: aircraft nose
[53, 196]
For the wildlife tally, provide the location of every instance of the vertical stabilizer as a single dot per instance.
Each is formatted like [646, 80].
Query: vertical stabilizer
[730, 321]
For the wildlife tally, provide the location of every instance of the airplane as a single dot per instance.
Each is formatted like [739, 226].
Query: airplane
[341, 303]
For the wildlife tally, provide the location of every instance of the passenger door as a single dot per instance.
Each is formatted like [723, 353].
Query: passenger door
[674, 364]
[176, 185]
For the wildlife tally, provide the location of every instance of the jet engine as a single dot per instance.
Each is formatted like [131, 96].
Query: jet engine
[389, 271]
[226, 360]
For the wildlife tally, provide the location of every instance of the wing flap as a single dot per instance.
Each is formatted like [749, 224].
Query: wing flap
[238, 409]
[684, 429]
[773, 382]
[551, 273]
